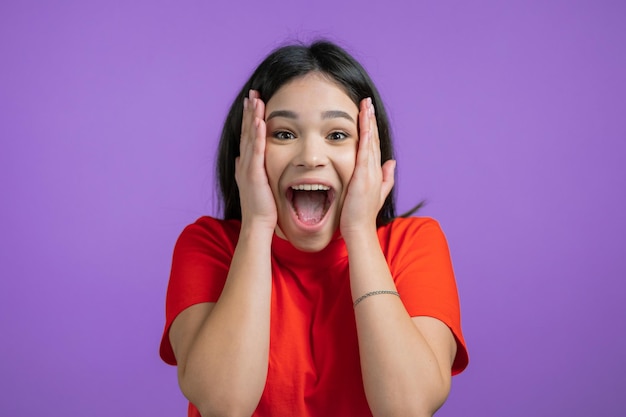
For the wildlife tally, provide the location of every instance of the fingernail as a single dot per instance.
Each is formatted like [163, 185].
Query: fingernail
[250, 93]
[245, 103]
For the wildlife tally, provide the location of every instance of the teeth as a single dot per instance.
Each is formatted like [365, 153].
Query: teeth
[310, 187]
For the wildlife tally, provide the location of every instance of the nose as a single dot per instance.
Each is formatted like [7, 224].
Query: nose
[312, 152]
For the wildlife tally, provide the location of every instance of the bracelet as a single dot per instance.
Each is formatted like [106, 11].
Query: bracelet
[364, 296]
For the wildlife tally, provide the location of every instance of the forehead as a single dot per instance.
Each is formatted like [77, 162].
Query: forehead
[312, 92]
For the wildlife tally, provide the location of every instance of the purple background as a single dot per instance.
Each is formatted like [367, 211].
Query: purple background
[510, 119]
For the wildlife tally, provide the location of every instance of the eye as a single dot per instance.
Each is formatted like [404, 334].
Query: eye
[283, 135]
[337, 136]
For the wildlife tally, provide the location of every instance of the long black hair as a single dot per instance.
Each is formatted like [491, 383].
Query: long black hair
[281, 66]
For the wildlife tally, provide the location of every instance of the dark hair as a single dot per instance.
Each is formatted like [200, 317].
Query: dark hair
[281, 66]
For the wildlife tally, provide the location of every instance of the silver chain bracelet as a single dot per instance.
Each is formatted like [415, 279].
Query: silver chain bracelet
[369, 294]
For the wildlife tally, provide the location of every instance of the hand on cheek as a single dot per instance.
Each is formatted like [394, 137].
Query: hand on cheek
[371, 183]
[257, 202]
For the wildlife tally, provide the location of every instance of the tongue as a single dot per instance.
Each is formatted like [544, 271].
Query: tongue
[309, 205]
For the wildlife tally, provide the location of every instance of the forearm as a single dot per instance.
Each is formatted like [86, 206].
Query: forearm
[226, 365]
[401, 374]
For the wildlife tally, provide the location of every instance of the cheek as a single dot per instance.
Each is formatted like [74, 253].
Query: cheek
[345, 161]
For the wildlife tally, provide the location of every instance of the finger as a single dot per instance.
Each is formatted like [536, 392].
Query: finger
[375, 139]
[259, 140]
[389, 169]
[255, 136]
[258, 106]
[364, 122]
[250, 105]
[364, 133]
[251, 162]
[256, 111]
[253, 149]
[246, 116]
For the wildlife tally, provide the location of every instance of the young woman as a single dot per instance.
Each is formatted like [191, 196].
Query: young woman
[310, 298]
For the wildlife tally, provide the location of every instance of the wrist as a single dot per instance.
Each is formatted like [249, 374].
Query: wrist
[257, 230]
[360, 238]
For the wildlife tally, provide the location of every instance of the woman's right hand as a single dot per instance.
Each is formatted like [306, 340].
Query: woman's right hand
[257, 201]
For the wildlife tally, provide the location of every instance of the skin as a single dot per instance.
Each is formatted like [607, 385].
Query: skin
[312, 137]
[222, 348]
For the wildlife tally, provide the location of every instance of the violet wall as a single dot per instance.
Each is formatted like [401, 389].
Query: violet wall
[510, 119]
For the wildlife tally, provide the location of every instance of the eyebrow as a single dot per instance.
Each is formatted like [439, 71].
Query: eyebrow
[282, 113]
[330, 114]
[334, 114]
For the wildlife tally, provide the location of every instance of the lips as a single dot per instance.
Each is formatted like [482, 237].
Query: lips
[310, 201]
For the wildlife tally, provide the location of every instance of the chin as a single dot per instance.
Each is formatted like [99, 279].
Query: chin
[307, 241]
[311, 244]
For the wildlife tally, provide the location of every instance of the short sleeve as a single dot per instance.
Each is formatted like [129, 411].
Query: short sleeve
[419, 260]
[200, 264]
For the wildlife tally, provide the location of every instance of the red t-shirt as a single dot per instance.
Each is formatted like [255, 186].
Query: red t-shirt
[314, 367]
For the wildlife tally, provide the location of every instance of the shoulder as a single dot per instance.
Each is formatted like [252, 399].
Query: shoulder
[211, 226]
[208, 231]
[410, 224]
[415, 246]
[411, 231]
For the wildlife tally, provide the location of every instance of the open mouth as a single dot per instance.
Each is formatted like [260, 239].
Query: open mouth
[310, 202]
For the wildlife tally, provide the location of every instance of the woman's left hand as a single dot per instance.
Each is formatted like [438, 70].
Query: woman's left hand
[371, 183]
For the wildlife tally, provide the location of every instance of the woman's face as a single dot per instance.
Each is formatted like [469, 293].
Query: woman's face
[310, 154]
